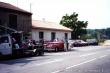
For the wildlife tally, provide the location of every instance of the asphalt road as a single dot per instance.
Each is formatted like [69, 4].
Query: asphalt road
[90, 59]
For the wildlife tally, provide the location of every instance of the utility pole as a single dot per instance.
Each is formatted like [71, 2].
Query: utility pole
[98, 36]
[30, 6]
[17, 3]
[43, 19]
[6, 28]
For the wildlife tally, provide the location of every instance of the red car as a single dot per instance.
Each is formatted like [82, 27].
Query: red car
[56, 46]
[80, 43]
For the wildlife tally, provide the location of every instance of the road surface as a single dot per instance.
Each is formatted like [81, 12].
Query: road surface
[89, 59]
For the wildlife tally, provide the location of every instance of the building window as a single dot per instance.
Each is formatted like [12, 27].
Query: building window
[53, 36]
[13, 21]
[41, 35]
[66, 35]
[4, 39]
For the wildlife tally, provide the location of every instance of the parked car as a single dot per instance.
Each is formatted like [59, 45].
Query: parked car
[55, 46]
[70, 44]
[84, 43]
[80, 43]
[93, 42]
[77, 43]
[46, 42]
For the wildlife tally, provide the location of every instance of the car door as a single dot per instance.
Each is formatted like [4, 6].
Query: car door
[5, 45]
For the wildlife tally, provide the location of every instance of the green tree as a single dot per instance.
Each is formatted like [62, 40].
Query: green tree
[107, 32]
[78, 27]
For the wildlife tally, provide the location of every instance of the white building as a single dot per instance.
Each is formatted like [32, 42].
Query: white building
[49, 31]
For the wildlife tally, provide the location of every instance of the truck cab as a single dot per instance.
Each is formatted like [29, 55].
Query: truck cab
[5, 44]
[8, 48]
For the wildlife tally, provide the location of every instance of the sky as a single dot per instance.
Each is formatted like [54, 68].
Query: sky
[96, 12]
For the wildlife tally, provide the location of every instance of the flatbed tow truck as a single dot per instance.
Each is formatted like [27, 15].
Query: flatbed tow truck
[7, 49]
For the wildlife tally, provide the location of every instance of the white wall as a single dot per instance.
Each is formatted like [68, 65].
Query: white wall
[47, 34]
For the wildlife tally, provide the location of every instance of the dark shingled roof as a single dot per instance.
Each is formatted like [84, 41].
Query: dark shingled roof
[8, 6]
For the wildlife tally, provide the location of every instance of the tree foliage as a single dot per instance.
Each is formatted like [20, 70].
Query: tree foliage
[78, 27]
[104, 33]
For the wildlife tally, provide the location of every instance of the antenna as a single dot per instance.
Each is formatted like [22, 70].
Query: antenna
[17, 3]
[30, 6]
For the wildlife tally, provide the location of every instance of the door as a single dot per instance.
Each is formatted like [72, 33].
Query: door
[52, 36]
[66, 35]
[41, 35]
[5, 45]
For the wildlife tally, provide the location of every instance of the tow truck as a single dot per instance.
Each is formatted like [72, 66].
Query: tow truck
[6, 45]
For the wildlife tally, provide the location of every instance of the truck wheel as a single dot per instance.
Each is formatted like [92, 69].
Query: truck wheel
[36, 53]
[41, 53]
[0, 56]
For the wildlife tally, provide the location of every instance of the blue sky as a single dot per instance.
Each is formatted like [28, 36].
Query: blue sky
[96, 12]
